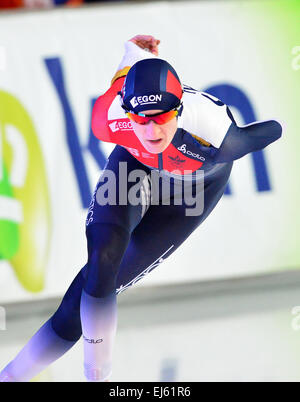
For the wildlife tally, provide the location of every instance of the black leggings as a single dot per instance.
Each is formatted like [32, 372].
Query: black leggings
[125, 242]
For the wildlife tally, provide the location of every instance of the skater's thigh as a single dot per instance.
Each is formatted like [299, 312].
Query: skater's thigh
[163, 229]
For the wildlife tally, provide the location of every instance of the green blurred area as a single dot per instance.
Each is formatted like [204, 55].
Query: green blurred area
[9, 231]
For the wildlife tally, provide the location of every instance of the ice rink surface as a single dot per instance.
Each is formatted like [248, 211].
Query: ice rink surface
[231, 330]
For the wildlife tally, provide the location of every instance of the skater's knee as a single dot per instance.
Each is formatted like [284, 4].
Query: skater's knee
[106, 241]
[106, 246]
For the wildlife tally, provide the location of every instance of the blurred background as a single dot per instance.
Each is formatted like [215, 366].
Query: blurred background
[226, 305]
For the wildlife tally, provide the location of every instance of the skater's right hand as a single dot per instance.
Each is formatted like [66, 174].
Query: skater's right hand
[146, 42]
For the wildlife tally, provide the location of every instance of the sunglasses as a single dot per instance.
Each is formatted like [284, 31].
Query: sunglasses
[159, 118]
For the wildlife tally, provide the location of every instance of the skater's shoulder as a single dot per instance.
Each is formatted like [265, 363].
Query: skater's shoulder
[204, 116]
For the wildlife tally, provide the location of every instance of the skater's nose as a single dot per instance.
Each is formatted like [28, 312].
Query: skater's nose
[153, 131]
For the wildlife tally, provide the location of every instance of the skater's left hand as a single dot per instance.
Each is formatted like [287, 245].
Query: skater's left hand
[147, 42]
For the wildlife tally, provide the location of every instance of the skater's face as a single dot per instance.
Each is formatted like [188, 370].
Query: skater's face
[155, 137]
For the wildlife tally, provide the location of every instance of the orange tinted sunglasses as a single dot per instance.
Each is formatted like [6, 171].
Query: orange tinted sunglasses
[159, 118]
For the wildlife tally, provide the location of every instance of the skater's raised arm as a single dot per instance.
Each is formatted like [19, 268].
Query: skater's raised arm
[137, 48]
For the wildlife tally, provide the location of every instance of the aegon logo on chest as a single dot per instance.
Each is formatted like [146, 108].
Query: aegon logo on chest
[120, 125]
[145, 100]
